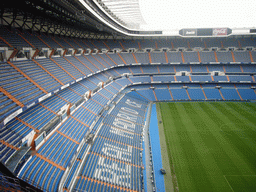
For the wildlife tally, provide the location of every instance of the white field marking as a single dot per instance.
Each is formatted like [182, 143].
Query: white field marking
[228, 183]
[237, 176]
[241, 175]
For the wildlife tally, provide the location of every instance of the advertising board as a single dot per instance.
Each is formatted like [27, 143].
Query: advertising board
[219, 31]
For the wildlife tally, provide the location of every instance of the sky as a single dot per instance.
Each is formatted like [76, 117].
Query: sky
[178, 14]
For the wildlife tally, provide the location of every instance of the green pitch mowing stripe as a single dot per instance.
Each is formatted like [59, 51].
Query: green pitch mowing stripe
[209, 142]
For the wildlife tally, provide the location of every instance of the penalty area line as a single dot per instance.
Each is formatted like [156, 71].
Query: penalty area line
[228, 183]
[236, 176]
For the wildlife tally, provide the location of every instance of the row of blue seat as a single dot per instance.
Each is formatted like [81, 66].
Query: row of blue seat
[228, 93]
[115, 157]
[55, 70]
[58, 149]
[38, 75]
[186, 57]
[234, 68]
[37, 116]
[42, 174]
[69, 68]
[97, 186]
[110, 171]
[174, 93]
[119, 151]
[193, 78]
[19, 87]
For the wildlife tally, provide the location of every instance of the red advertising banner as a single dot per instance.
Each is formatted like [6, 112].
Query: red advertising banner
[219, 31]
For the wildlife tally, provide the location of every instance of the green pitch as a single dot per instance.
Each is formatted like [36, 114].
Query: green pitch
[211, 145]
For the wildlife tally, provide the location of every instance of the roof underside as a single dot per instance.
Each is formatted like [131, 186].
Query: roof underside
[127, 12]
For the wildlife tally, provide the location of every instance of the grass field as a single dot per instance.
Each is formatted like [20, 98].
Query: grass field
[212, 145]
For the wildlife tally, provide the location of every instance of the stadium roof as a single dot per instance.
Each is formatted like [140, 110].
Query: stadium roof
[126, 12]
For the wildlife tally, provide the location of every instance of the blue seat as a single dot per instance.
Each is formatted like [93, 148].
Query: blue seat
[212, 94]
[196, 94]
[147, 94]
[163, 94]
[230, 94]
[179, 94]
[247, 94]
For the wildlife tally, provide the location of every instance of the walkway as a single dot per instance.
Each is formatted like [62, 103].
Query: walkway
[156, 150]
[147, 179]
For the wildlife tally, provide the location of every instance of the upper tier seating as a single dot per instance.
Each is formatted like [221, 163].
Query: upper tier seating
[19, 39]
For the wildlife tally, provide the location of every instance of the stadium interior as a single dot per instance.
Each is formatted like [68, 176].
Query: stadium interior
[77, 92]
